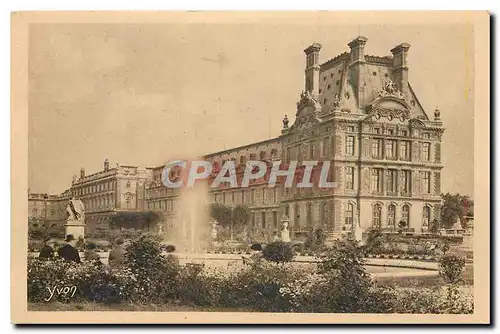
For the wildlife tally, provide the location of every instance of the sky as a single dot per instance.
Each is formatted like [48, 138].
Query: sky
[140, 94]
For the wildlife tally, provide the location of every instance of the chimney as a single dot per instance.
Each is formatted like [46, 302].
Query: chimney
[82, 173]
[356, 67]
[400, 67]
[312, 69]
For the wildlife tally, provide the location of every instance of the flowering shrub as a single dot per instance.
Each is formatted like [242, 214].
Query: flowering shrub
[90, 279]
[339, 284]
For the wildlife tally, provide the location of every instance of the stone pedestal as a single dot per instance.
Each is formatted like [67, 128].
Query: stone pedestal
[77, 229]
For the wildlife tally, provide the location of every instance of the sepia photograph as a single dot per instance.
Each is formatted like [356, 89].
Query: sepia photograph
[290, 167]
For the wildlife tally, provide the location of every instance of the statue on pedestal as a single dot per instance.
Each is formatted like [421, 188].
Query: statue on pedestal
[75, 224]
[285, 233]
[357, 230]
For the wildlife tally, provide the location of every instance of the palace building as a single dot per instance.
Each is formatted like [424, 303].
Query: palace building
[357, 111]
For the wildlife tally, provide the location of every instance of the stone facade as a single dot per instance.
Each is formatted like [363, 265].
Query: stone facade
[357, 111]
[104, 193]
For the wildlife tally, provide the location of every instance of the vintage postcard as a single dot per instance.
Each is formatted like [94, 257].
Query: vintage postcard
[244, 167]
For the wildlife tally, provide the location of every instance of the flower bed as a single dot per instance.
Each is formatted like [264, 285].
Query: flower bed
[339, 284]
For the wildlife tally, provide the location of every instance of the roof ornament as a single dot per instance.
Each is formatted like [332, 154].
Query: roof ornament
[437, 114]
[390, 89]
[285, 122]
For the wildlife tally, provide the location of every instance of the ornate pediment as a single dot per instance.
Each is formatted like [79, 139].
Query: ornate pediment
[390, 89]
[307, 114]
[389, 107]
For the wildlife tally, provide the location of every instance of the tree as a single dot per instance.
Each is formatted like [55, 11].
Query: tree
[241, 215]
[455, 206]
[221, 213]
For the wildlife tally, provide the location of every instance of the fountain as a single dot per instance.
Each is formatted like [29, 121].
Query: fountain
[191, 223]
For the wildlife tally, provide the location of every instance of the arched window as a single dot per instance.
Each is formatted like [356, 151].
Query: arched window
[405, 215]
[377, 215]
[34, 212]
[391, 216]
[349, 215]
[128, 184]
[426, 215]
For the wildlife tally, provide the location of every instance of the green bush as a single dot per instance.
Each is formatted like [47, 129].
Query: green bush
[155, 275]
[451, 268]
[340, 283]
[279, 252]
[90, 279]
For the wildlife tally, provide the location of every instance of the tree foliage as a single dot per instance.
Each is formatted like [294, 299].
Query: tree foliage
[455, 206]
[221, 213]
[241, 215]
[135, 220]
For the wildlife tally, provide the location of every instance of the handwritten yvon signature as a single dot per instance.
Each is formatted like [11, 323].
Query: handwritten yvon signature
[65, 291]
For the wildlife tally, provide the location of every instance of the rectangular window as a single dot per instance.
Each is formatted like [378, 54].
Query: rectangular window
[350, 128]
[404, 149]
[405, 181]
[224, 197]
[232, 197]
[349, 148]
[377, 179]
[390, 149]
[404, 133]
[390, 132]
[288, 154]
[426, 150]
[253, 219]
[253, 196]
[376, 130]
[275, 220]
[377, 148]
[391, 180]
[263, 220]
[426, 181]
[349, 181]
